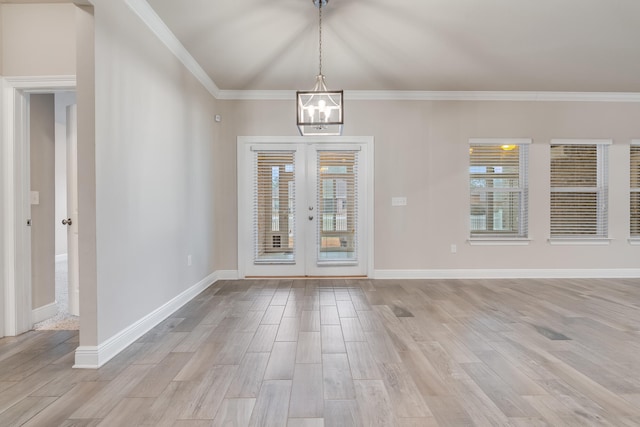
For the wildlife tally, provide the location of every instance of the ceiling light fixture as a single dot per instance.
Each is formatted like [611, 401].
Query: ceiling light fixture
[320, 111]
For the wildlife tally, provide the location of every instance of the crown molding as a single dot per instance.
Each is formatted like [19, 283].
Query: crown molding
[45, 83]
[384, 95]
[160, 29]
[166, 36]
[258, 95]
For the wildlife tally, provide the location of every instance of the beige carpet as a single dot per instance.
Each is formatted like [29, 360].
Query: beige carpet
[62, 320]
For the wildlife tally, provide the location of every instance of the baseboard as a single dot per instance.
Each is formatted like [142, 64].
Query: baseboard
[93, 357]
[508, 273]
[61, 257]
[45, 312]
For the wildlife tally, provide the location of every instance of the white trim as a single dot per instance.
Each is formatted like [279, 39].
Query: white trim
[160, 29]
[45, 312]
[93, 357]
[62, 257]
[305, 139]
[598, 241]
[497, 241]
[560, 141]
[634, 241]
[257, 95]
[500, 141]
[384, 95]
[17, 273]
[635, 142]
[508, 273]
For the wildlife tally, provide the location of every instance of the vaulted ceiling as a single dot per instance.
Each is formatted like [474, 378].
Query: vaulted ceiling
[423, 45]
[413, 45]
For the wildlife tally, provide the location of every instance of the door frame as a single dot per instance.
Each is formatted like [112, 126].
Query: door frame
[16, 239]
[245, 184]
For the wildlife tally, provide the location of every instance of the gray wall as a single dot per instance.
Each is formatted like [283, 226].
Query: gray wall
[39, 39]
[422, 153]
[42, 152]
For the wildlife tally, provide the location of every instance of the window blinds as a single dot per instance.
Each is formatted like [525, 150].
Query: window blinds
[498, 189]
[635, 190]
[579, 190]
[274, 207]
[337, 201]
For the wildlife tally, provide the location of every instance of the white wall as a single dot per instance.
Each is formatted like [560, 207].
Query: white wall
[38, 39]
[154, 150]
[421, 152]
[62, 100]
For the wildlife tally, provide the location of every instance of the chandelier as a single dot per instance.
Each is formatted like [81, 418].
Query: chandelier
[320, 111]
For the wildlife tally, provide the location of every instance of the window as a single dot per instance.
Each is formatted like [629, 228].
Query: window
[498, 188]
[579, 189]
[635, 190]
[337, 198]
[274, 207]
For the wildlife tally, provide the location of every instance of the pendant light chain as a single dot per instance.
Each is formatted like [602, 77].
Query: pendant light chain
[319, 110]
[320, 35]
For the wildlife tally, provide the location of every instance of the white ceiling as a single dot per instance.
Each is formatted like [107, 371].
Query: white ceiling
[417, 45]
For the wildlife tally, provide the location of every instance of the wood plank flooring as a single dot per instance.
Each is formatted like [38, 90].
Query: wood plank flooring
[341, 352]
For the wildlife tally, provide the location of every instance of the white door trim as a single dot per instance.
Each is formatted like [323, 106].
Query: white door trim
[16, 239]
[244, 184]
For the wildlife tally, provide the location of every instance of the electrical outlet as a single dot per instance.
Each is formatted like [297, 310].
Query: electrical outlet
[189, 260]
[398, 201]
[454, 249]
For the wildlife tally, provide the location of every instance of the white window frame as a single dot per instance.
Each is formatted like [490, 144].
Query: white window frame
[602, 189]
[522, 236]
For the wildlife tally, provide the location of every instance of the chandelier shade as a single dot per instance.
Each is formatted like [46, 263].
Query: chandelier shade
[320, 111]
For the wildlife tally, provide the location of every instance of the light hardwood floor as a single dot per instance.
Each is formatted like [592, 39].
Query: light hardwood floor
[352, 353]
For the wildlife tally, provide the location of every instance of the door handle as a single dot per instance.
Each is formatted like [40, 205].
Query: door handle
[66, 221]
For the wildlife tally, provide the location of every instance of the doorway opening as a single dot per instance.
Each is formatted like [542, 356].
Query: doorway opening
[64, 314]
[53, 166]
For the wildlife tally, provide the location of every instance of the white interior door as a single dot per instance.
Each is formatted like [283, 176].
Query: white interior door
[72, 211]
[303, 207]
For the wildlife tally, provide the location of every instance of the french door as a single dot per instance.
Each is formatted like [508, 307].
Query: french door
[303, 207]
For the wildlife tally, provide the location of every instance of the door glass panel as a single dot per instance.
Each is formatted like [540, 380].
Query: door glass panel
[337, 201]
[274, 207]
